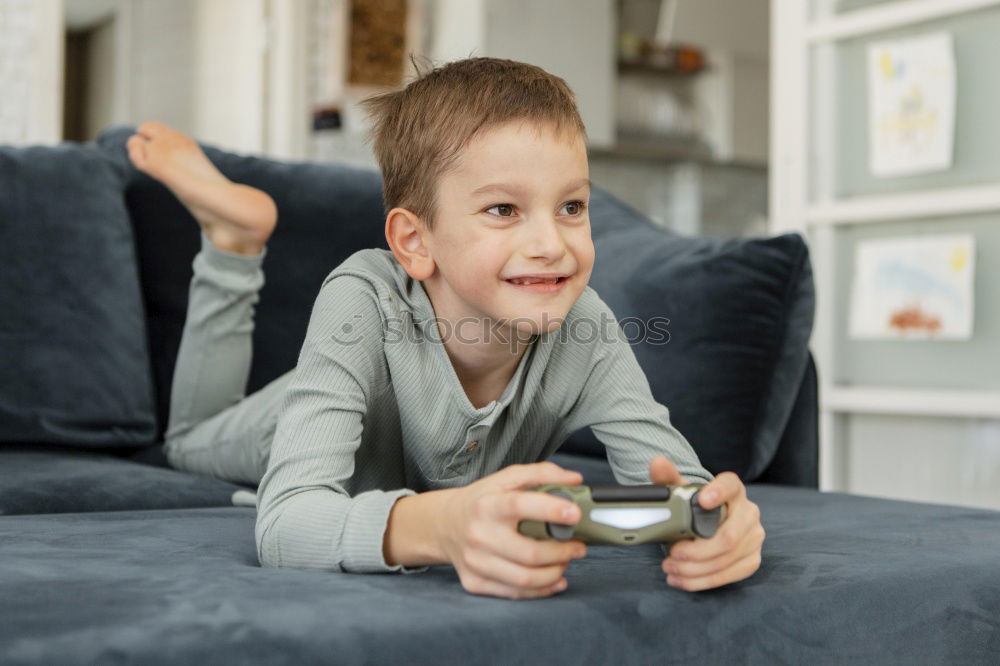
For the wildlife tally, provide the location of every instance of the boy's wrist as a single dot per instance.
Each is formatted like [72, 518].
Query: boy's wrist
[412, 534]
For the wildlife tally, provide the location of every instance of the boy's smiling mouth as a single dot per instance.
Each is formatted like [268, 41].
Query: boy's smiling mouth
[541, 283]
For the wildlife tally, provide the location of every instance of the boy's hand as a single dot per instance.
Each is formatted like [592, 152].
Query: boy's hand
[478, 532]
[733, 553]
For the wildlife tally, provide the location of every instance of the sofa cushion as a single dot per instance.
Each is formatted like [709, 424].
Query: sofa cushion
[52, 479]
[596, 471]
[842, 579]
[326, 212]
[740, 314]
[74, 364]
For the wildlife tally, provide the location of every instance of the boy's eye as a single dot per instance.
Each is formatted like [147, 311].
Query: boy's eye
[507, 210]
[502, 207]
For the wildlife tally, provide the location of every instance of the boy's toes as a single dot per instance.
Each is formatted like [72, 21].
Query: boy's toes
[152, 128]
[136, 147]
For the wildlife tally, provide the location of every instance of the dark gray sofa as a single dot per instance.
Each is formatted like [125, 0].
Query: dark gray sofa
[108, 556]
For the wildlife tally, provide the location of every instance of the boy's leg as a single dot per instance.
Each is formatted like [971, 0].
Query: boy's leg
[214, 428]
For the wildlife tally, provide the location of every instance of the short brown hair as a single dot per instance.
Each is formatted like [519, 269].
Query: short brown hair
[418, 132]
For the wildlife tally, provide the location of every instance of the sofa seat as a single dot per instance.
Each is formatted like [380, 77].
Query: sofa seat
[52, 479]
[41, 478]
[844, 578]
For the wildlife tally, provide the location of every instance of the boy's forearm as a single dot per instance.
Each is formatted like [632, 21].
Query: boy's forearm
[411, 536]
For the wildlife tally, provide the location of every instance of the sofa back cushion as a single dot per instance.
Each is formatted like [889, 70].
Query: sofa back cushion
[326, 212]
[739, 313]
[74, 367]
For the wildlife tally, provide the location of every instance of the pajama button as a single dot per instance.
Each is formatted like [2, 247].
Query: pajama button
[472, 445]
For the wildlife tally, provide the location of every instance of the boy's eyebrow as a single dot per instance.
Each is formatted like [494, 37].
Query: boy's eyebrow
[514, 189]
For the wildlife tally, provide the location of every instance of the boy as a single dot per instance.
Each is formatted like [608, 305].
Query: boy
[433, 375]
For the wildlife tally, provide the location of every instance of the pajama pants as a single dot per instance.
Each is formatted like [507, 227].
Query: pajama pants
[214, 427]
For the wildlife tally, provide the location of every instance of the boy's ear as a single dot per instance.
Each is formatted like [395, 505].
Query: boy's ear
[405, 233]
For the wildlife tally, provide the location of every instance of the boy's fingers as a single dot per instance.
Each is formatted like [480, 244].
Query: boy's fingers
[518, 576]
[743, 516]
[663, 472]
[537, 474]
[531, 552]
[726, 487]
[739, 570]
[694, 568]
[489, 587]
[527, 505]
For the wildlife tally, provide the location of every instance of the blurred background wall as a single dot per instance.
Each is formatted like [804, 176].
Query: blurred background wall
[681, 135]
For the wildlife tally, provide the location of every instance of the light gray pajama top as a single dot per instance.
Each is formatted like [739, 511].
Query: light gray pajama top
[374, 412]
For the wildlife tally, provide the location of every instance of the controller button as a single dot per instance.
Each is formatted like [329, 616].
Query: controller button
[704, 522]
[558, 531]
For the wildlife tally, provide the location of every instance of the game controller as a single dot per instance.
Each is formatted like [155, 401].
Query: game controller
[629, 515]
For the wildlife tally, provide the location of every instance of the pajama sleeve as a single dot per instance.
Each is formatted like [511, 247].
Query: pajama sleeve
[306, 519]
[618, 405]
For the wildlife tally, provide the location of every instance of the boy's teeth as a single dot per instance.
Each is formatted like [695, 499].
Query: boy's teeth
[533, 281]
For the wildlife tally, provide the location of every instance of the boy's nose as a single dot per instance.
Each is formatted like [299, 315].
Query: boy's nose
[546, 241]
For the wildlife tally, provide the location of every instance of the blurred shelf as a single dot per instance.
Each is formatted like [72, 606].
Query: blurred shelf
[964, 403]
[625, 67]
[666, 149]
[906, 205]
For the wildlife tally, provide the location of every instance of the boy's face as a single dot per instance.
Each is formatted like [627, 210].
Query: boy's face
[515, 205]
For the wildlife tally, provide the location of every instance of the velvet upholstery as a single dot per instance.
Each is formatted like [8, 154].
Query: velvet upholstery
[844, 579]
[41, 478]
[796, 462]
[74, 367]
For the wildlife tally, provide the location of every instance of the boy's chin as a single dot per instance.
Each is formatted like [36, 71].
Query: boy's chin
[537, 325]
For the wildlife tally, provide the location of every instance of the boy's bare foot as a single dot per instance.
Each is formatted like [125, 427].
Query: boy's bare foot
[236, 218]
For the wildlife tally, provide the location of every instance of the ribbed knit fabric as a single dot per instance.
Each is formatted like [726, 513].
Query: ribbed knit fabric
[374, 411]
[215, 428]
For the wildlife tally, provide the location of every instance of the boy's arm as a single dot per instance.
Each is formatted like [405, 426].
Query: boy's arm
[306, 519]
[618, 405]
[410, 537]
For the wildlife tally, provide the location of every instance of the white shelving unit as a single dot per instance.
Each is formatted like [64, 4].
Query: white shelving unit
[31, 71]
[806, 137]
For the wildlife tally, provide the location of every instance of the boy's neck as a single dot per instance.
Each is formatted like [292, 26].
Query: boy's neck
[484, 355]
[483, 368]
